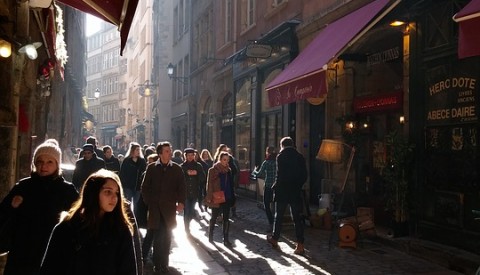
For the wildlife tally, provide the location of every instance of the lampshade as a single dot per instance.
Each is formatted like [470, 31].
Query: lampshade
[5, 48]
[330, 151]
[31, 50]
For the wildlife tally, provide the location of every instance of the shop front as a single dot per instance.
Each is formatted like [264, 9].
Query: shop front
[256, 123]
[356, 59]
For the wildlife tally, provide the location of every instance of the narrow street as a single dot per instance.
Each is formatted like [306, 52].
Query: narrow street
[251, 253]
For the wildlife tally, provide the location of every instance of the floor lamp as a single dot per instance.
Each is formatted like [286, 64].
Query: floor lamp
[333, 151]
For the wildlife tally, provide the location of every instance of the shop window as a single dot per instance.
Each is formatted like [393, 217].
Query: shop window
[243, 121]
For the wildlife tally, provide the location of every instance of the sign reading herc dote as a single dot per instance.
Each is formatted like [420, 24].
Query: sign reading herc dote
[451, 98]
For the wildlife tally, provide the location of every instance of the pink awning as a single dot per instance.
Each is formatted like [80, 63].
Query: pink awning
[305, 77]
[118, 12]
[469, 24]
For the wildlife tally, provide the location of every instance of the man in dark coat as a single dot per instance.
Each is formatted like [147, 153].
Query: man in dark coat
[194, 178]
[291, 175]
[86, 166]
[111, 162]
[163, 190]
[93, 141]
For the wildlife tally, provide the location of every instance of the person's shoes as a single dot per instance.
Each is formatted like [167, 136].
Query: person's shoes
[227, 243]
[210, 237]
[273, 242]
[163, 269]
[299, 250]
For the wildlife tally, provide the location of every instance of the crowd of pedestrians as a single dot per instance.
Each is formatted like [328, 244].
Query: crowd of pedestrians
[90, 226]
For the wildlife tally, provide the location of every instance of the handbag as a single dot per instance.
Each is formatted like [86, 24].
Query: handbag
[218, 197]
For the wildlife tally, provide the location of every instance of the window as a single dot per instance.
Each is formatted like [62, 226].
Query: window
[228, 21]
[243, 89]
[181, 23]
[247, 14]
[186, 73]
[175, 24]
[105, 61]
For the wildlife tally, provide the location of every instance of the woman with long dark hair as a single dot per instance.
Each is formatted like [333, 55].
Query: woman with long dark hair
[220, 178]
[95, 237]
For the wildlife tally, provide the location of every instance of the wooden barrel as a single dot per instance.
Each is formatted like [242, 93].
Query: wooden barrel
[347, 235]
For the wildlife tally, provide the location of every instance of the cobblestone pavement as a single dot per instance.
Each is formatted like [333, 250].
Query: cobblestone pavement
[251, 254]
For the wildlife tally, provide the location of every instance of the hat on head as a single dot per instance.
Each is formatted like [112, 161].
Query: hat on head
[88, 147]
[92, 140]
[50, 148]
[189, 150]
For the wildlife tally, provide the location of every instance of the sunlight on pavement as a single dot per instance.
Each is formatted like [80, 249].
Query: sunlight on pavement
[184, 253]
[285, 248]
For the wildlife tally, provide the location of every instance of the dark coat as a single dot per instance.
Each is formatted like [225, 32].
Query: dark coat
[163, 187]
[98, 152]
[44, 198]
[291, 175]
[193, 182]
[72, 250]
[131, 173]
[112, 164]
[84, 168]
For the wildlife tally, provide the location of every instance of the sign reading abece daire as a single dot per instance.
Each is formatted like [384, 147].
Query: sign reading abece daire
[452, 100]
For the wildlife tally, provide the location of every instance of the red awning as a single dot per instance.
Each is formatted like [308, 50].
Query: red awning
[469, 35]
[305, 77]
[118, 12]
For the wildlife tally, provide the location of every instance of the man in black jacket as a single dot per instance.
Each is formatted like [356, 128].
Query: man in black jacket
[86, 166]
[194, 178]
[291, 175]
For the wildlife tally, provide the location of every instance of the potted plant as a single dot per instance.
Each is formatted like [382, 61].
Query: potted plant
[396, 174]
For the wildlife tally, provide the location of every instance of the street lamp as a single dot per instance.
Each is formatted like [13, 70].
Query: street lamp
[96, 95]
[171, 74]
[147, 89]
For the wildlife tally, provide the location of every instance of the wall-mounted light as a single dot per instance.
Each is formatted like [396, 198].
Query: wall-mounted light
[5, 48]
[397, 23]
[171, 74]
[96, 94]
[350, 125]
[147, 89]
[401, 119]
[31, 50]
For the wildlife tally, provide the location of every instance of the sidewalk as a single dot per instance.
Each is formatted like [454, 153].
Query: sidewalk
[251, 253]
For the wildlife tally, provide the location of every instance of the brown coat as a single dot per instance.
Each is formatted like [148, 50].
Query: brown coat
[162, 188]
[213, 183]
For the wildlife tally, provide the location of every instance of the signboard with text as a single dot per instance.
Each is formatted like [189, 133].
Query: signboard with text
[451, 97]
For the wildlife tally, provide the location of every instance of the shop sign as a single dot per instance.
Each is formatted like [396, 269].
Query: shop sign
[384, 102]
[384, 56]
[258, 50]
[311, 86]
[452, 100]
